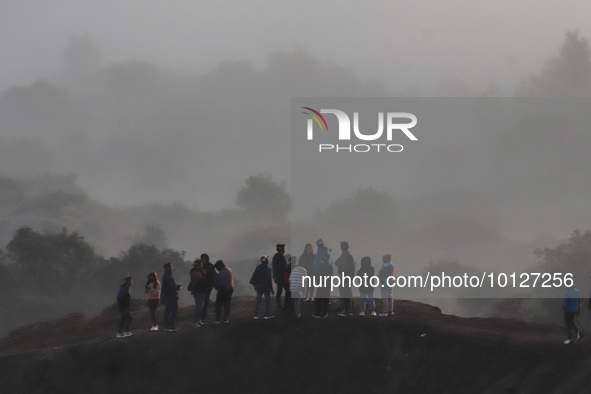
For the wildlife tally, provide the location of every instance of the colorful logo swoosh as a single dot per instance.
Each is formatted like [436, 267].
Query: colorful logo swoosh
[315, 116]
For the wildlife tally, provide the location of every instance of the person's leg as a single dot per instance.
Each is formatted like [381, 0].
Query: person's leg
[569, 323]
[372, 302]
[167, 314]
[199, 306]
[348, 305]
[205, 305]
[288, 304]
[297, 303]
[278, 295]
[128, 321]
[173, 312]
[258, 302]
[390, 300]
[152, 305]
[227, 304]
[317, 306]
[325, 302]
[362, 302]
[384, 300]
[218, 307]
[267, 294]
[121, 323]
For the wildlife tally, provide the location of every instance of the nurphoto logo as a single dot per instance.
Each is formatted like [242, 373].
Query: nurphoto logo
[393, 127]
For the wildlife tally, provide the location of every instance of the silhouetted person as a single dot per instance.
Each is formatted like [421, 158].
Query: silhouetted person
[170, 298]
[224, 284]
[262, 281]
[296, 287]
[279, 264]
[198, 288]
[210, 275]
[123, 304]
[366, 292]
[307, 261]
[346, 267]
[153, 289]
[572, 306]
[321, 252]
[324, 268]
[290, 261]
[385, 272]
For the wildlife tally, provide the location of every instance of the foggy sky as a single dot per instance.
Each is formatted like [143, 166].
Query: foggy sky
[400, 44]
[201, 126]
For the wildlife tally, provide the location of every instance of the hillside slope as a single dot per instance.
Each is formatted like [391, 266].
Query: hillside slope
[419, 350]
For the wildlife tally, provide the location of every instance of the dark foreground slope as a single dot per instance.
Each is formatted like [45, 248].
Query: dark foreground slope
[417, 351]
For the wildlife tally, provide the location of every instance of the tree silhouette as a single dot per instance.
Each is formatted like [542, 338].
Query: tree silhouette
[261, 195]
[565, 75]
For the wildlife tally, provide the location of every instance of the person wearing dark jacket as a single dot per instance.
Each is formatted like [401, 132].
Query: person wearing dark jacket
[198, 288]
[170, 298]
[123, 304]
[346, 266]
[261, 279]
[571, 305]
[323, 269]
[210, 275]
[279, 264]
[307, 260]
[366, 292]
[224, 284]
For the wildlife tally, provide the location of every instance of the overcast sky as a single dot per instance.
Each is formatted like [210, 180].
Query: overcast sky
[398, 43]
[171, 136]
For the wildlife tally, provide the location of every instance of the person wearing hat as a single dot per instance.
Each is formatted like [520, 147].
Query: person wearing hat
[346, 266]
[279, 264]
[321, 251]
[170, 298]
[123, 304]
[198, 289]
[261, 279]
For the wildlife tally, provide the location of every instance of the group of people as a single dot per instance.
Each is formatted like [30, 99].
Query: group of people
[286, 271]
[205, 277]
[289, 272]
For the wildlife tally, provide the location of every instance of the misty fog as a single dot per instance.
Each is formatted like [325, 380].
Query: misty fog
[120, 115]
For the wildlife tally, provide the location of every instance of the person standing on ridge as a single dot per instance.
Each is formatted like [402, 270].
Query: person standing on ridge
[307, 261]
[210, 275]
[123, 304]
[278, 265]
[170, 298]
[153, 289]
[224, 284]
[198, 289]
[321, 251]
[366, 292]
[346, 266]
[323, 270]
[386, 272]
[262, 280]
[572, 306]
